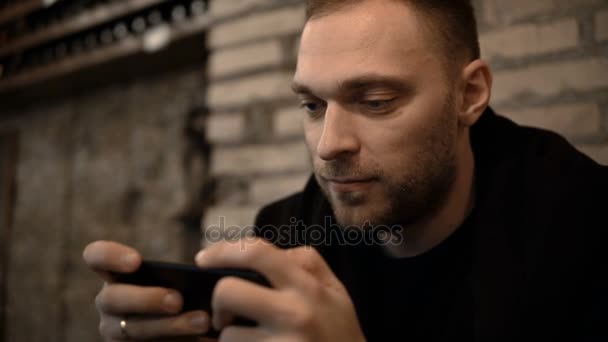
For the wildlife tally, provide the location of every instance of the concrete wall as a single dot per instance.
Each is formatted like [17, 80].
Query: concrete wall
[105, 164]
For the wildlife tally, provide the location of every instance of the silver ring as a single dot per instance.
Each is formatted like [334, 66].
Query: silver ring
[123, 328]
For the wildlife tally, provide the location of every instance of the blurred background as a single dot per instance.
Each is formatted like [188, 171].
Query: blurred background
[145, 121]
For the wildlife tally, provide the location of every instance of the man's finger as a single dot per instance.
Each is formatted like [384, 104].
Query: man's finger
[130, 299]
[144, 328]
[309, 259]
[234, 297]
[108, 256]
[238, 334]
[251, 253]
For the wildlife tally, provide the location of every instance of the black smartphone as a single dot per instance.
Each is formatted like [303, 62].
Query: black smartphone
[195, 284]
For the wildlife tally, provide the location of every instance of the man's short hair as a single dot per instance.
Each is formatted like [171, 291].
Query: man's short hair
[452, 21]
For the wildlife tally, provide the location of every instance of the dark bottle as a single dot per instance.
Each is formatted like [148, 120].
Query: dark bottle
[197, 7]
[138, 25]
[120, 31]
[48, 55]
[61, 50]
[106, 37]
[76, 46]
[90, 41]
[178, 13]
[155, 18]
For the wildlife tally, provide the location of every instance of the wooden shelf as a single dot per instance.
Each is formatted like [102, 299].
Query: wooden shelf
[79, 23]
[71, 64]
[126, 47]
[22, 8]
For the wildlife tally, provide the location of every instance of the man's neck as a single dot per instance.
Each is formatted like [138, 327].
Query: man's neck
[458, 204]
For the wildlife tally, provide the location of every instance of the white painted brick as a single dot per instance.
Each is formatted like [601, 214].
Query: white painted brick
[220, 8]
[259, 87]
[225, 127]
[227, 222]
[266, 190]
[529, 39]
[551, 79]
[255, 158]
[598, 152]
[274, 23]
[601, 26]
[288, 122]
[573, 120]
[296, 48]
[242, 58]
[506, 11]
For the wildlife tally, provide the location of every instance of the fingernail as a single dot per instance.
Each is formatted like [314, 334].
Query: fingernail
[172, 302]
[199, 257]
[130, 259]
[199, 322]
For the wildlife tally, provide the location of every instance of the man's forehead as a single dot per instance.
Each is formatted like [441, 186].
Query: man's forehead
[373, 37]
[362, 26]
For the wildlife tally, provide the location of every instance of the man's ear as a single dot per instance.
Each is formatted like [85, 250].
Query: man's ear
[476, 91]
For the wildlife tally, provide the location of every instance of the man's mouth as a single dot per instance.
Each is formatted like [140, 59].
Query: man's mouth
[349, 184]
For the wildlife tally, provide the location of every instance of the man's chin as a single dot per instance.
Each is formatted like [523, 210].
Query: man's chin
[352, 200]
[355, 216]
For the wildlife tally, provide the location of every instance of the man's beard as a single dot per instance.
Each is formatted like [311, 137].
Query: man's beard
[416, 194]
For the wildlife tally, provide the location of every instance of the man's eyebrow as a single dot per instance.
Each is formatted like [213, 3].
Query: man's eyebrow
[374, 81]
[360, 83]
[300, 88]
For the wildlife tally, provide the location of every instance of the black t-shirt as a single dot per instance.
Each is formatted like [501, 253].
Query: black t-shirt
[426, 298]
[528, 263]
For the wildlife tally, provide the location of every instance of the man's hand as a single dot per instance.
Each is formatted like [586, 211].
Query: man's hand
[307, 301]
[150, 312]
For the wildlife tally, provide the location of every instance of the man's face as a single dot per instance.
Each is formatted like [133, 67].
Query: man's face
[379, 114]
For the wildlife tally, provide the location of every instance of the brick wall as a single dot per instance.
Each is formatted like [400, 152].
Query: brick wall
[550, 63]
[550, 70]
[253, 125]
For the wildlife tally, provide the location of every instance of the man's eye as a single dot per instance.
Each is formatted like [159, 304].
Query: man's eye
[312, 107]
[377, 104]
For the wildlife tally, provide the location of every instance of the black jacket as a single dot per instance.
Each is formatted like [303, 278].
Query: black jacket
[538, 254]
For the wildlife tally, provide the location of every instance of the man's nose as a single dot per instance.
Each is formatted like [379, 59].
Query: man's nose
[339, 134]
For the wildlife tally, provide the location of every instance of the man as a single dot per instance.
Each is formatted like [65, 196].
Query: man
[495, 230]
